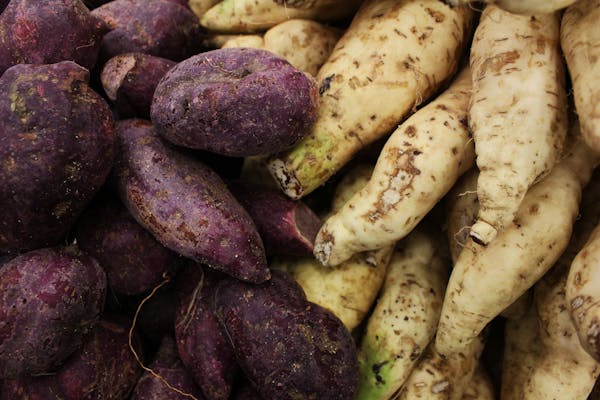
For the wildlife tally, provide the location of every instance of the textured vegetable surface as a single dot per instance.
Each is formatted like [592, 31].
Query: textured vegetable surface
[185, 205]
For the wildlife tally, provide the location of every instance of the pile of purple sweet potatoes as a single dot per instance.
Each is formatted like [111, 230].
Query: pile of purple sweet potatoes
[134, 261]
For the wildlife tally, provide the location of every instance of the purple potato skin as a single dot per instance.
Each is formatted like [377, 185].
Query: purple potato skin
[185, 205]
[129, 80]
[98, 3]
[103, 369]
[133, 260]
[236, 102]
[288, 348]
[49, 300]
[201, 342]
[58, 142]
[49, 31]
[167, 365]
[160, 28]
[287, 227]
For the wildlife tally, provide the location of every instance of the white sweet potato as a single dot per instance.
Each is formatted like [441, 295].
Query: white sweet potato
[394, 55]
[418, 165]
[524, 6]
[579, 38]
[518, 111]
[487, 279]
[480, 387]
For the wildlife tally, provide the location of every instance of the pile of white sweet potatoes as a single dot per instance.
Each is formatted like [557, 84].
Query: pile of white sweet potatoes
[299, 199]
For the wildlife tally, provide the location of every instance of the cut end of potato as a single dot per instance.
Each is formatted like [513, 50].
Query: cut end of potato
[323, 251]
[114, 73]
[286, 179]
[483, 233]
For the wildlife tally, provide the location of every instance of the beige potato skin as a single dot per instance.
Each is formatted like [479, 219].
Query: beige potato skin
[249, 16]
[404, 320]
[480, 387]
[579, 37]
[461, 211]
[418, 165]
[443, 378]
[304, 43]
[518, 111]
[524, 6]
[199, 7]
[564, 370]
[393, 57]
[349, 291]
[522, 349]
[487, 279]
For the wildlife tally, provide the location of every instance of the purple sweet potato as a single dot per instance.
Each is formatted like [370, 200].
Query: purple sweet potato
[288, 347]
[160, 28]
[287, 227]
[186, 205]
[132, 258]
[235, 102]
[202, 345]
[57, 149]
[168, 366]
[130, 79]
[49, 300]
[103, 369]
[49, 31]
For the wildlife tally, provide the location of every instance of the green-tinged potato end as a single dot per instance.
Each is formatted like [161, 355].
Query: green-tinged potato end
[375, 372]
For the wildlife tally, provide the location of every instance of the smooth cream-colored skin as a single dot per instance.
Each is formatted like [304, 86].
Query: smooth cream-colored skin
[249, 16]
[524, 6]
[522, 348]
[199, 7]
[583, 294]
[564, 370]
[349, 291]
[303, 43]
[418, 165]
[392, 58]
[404, 320]
[480, 387]
[444, 378]
[518, 111]
[579, 37]
[487, 279]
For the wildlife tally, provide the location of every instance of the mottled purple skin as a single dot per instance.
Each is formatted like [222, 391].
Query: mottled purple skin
[57, 149]
[186, 205]
[287, 347]
[167, 365]
[160, 28]
[133, 259]
[103, 369]
[98, 3]
[235, 102]
[202, 345]
[49, 31]
[130, 79]
[287, 227]
[49, 300]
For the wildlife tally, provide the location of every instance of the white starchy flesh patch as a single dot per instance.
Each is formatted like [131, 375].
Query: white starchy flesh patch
[288, 183]
[111, 86]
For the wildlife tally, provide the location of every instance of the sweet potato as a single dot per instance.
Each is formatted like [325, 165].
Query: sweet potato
[404, 320]
[104, 368]
[201, 342]
[160, 28]
[235, 102]
[245, 16]
[480, 387]
[129, 80]
[287, 227]
[520, 254]
[579, 36]
[418, 165]
[519, 136]
[133, 260]
[306, 44]
[199, 7]
[288, 347]
[49, 31]
[523, 6]
[393, 57]
[185, 205]
[169, 367]
[57, 149]
[49, 300]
